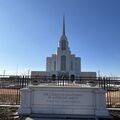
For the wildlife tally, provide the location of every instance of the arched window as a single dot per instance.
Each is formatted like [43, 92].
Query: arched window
[63, 62]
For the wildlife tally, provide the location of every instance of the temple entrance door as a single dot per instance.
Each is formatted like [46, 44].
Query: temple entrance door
[53, 77]
[64, 75]
[72, 77]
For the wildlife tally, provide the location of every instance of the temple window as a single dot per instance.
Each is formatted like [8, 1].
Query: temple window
[63, 62]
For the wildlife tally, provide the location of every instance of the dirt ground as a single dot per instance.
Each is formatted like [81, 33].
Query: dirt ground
[9, 113]
[9, 91]
[9, 96]
[113, 98]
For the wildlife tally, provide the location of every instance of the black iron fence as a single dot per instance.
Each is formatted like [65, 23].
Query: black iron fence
[10, 86]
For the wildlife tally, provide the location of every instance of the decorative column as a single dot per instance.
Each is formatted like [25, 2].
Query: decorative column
[100, 108]
[25, 102]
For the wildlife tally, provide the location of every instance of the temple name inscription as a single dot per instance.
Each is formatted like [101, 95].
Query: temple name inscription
[63, 97]
[67, 97]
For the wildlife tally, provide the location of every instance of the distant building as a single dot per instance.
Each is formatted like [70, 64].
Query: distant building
[63, 63]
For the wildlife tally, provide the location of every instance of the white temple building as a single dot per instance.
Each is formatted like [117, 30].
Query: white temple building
[63, 63]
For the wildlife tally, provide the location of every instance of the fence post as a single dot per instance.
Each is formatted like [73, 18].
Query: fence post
[23, 82]
[104, 83]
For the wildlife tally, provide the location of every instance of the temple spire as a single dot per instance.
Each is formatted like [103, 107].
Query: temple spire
[63, 43]
[63, 25]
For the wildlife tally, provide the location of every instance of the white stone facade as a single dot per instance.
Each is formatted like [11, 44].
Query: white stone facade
[63, 63]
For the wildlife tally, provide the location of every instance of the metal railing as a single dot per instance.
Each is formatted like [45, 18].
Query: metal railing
[10, 86]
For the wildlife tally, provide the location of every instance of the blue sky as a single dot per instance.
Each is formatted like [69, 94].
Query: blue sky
[30, 31]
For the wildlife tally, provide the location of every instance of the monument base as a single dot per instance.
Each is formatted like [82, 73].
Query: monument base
[63, 100]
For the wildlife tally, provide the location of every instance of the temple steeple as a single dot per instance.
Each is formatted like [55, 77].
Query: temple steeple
[63, 43]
